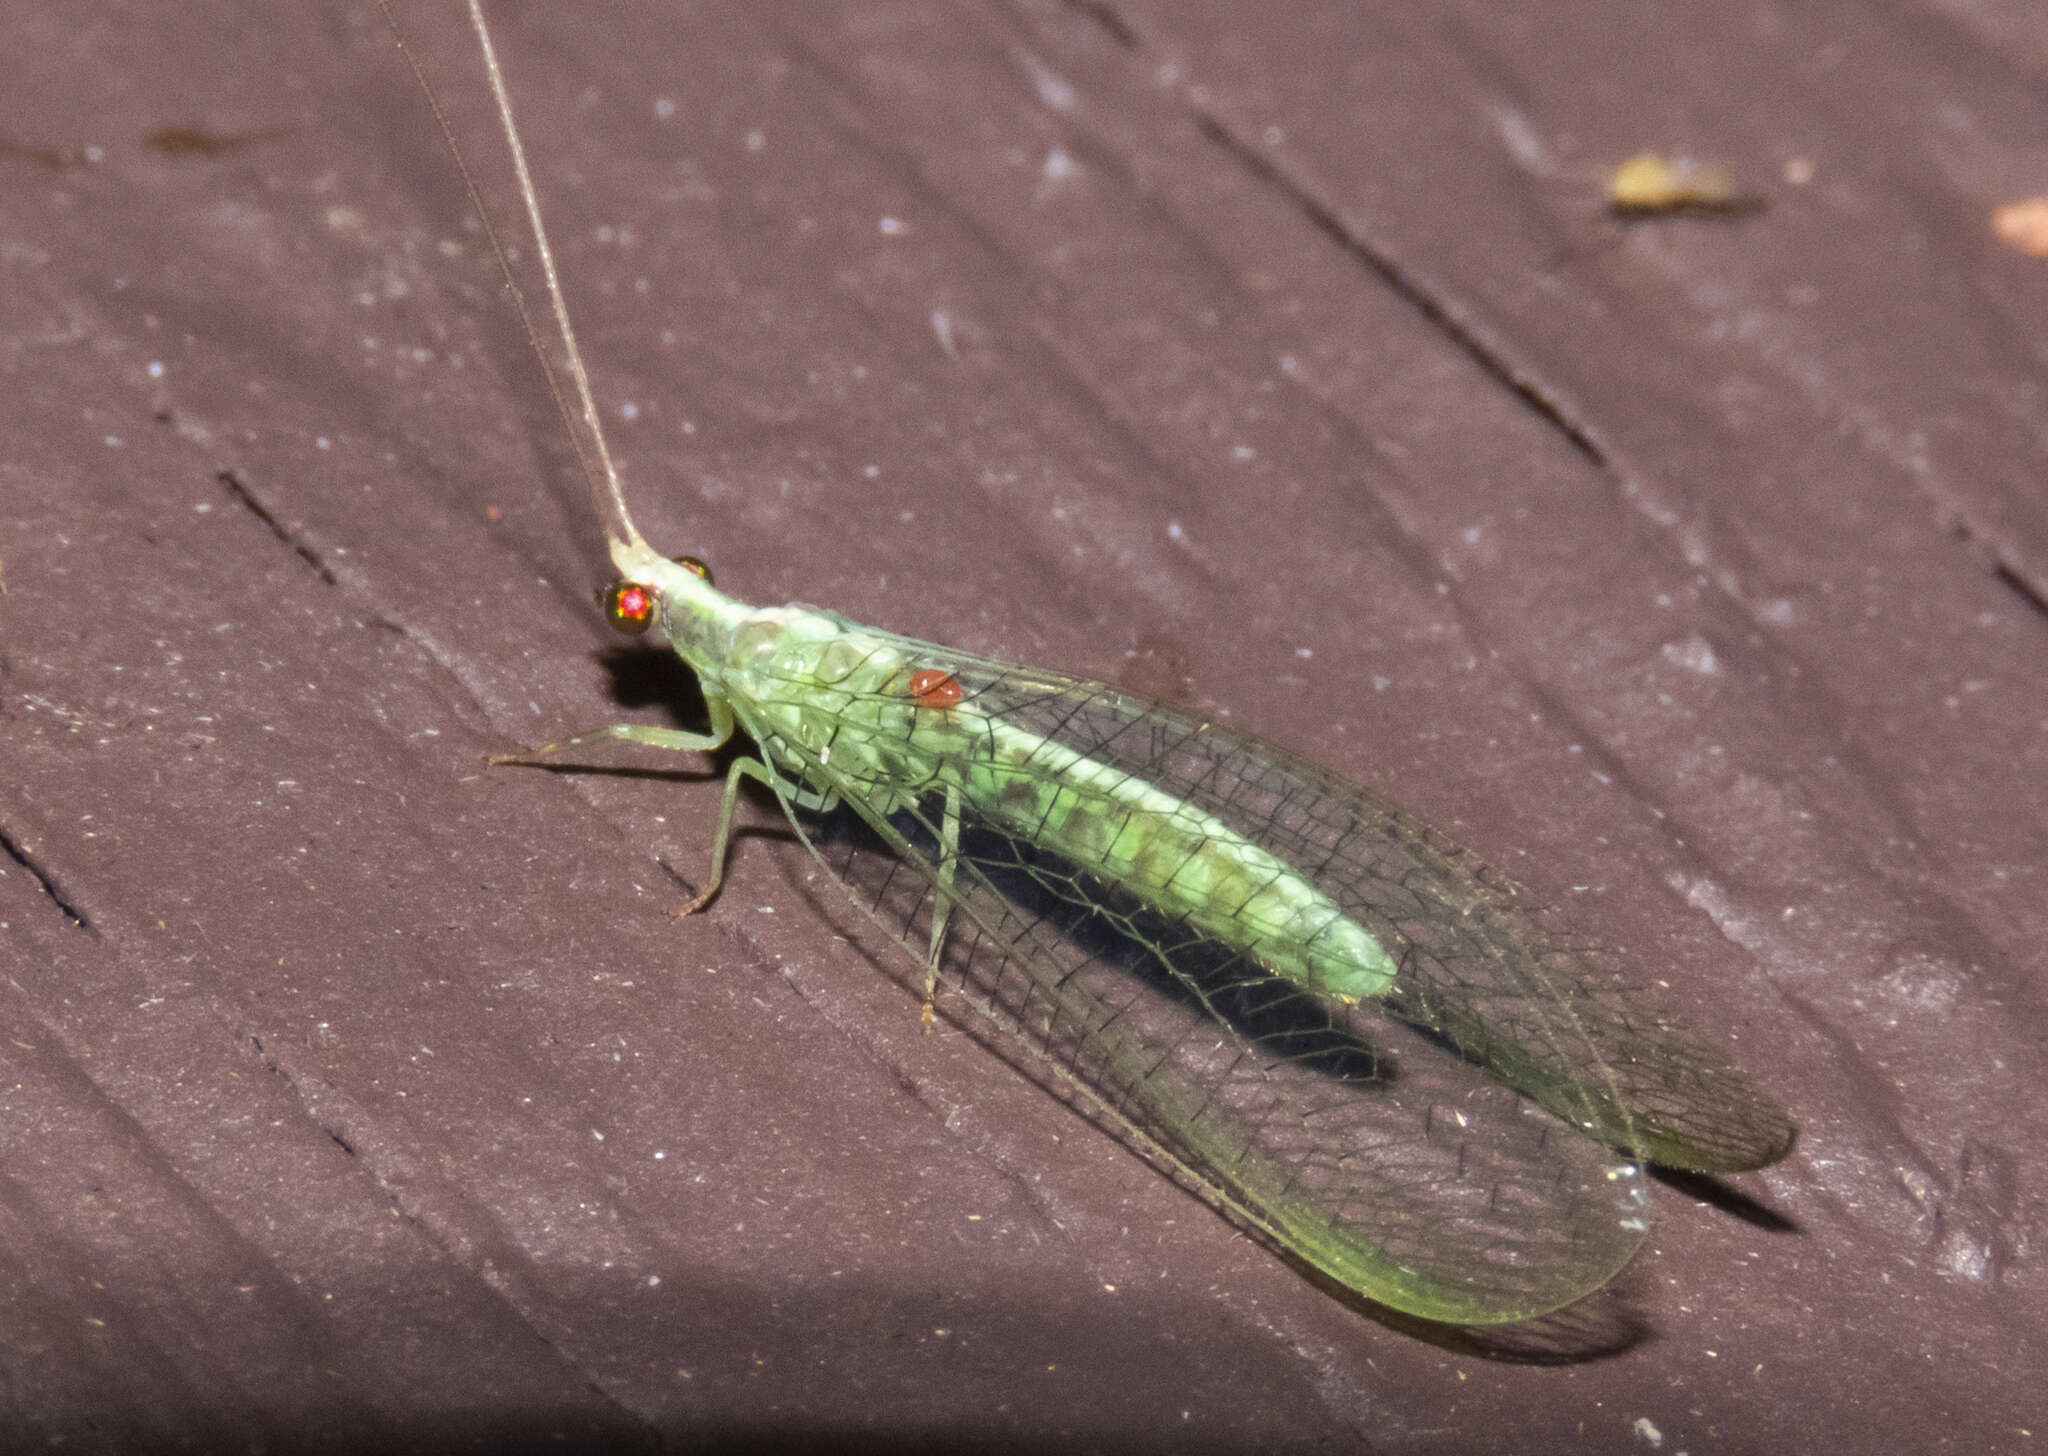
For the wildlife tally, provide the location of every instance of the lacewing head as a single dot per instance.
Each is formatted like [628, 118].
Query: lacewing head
[631, 607]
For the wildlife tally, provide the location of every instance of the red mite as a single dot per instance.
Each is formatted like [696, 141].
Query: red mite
[933, 688]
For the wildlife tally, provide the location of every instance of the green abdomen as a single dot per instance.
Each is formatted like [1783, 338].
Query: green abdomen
[1176, 858]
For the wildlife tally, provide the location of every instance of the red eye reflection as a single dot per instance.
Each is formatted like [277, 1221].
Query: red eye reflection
[629, 607]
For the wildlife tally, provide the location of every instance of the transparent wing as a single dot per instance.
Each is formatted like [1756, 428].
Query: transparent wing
[1401, 1172]
[1503, 981]
[1399, 1145]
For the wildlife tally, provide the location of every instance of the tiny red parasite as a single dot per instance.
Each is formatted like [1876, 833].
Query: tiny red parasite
[934, 688]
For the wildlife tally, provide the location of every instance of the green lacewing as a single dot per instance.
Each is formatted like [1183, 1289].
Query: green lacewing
[1356, 1037]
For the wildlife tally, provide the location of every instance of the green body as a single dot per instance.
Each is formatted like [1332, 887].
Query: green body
[812, 688]
[1315, 950]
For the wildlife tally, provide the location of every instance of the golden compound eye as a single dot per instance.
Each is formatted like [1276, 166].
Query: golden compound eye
[932, 688]
[696, 564]
[629, 607]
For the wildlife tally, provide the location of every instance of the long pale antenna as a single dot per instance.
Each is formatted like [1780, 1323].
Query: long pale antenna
[586, 432]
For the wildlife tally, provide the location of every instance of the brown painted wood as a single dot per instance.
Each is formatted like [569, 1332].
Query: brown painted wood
[1688, 568]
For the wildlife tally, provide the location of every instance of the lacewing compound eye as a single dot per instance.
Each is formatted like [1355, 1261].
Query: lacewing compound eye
[696, 564]
[629, 607]
[932, 688]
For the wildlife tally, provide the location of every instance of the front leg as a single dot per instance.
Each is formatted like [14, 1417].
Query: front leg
[761, 773]
[672, 739]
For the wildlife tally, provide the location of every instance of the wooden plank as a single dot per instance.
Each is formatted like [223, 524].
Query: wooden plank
[1125, 339]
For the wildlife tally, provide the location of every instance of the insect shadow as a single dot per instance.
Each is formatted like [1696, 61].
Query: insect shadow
[1154, 976]
[646, 676]
[1726, 1198]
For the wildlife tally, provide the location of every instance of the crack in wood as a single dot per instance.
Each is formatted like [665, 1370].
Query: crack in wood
[1411, 291]
[18, 852]
[246, 499]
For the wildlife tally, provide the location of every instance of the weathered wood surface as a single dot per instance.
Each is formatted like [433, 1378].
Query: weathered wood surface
[1689, 569]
